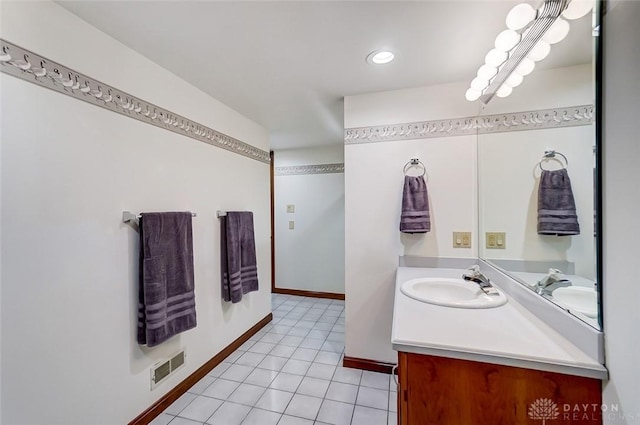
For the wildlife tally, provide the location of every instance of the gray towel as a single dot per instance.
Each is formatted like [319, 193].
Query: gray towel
[238, 255]
[415, 216]
[166, 296]
[556, 206]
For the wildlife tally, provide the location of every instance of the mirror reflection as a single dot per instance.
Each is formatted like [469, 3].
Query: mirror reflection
[537, 178]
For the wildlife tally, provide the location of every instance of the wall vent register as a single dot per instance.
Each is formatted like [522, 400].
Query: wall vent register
[162, 370]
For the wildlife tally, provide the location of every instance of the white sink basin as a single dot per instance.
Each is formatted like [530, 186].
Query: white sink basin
[577, 298]
[451, 293]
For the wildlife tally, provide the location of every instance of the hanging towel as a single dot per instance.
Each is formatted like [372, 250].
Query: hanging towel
[166, 297]
[238, 255]
[556, 206]
[415, 216]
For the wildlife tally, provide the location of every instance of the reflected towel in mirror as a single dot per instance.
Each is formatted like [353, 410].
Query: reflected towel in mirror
[556, 205]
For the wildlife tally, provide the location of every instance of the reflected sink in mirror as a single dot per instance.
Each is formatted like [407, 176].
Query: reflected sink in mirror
[448, 292]
[578, 299]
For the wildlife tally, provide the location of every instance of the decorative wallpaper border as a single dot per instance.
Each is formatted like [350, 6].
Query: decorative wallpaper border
[514, 121]
[296, 170]
[31, 67]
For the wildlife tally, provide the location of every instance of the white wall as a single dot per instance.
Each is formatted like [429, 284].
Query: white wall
[69, 265]
[509, 174]
[373, 192]
[311, 256]
[621, 206]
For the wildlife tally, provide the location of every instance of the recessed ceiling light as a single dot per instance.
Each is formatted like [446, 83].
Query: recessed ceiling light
[380, 57]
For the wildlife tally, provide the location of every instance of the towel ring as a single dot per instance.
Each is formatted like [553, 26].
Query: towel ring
[552, 154]
[413, 163]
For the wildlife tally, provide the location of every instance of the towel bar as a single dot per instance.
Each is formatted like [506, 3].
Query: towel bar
[134, 219]
[221, 213]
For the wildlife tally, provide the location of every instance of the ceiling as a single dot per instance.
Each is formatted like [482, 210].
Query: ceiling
[288, 65]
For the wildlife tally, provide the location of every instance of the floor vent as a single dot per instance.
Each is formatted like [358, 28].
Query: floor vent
[161, 370]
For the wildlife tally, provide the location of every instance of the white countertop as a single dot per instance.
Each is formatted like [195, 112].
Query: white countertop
[507, 335]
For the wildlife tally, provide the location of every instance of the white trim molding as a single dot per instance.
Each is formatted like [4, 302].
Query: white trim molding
[31, 67]
[513, 121]
[296, 170]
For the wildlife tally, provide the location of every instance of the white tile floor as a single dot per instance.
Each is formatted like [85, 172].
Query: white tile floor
[289, 373]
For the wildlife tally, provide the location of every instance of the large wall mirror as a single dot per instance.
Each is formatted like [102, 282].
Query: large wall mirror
[548, 139]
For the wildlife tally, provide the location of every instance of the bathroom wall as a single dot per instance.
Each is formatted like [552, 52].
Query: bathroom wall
[309, 257]
[69, 264]
[620, 217]
[373, 195]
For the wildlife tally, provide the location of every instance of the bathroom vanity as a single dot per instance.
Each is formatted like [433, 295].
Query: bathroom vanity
[492, 366]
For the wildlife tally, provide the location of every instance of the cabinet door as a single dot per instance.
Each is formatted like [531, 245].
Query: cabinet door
[444, 391]
[403, 389]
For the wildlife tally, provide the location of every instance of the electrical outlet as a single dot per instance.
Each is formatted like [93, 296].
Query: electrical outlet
[291, 208]
[462, 239]
[496, 240]
[292, 225]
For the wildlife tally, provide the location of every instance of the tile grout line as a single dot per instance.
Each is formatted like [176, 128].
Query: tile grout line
[300, 316]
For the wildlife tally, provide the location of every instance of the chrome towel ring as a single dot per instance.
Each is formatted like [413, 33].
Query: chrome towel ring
[552, 154]
[414, 162]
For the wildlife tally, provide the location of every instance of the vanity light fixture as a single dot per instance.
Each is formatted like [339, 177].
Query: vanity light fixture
[528, 38]
[380, 57]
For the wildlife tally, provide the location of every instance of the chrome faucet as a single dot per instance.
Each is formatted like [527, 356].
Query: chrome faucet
[475, 275]
[552, 281]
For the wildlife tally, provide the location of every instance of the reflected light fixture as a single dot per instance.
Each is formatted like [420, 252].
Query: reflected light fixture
[528, 38]
[520, 16]
[577, 9]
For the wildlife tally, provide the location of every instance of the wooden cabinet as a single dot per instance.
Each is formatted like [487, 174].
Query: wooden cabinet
[443, 391]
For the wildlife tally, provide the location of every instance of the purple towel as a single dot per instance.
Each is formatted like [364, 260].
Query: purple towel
[556, 206]
[238, 255]
[167, 304]
[415, 216]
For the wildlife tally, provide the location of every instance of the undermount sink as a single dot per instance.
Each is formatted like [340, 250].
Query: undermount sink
[451, 293]
[579, 299]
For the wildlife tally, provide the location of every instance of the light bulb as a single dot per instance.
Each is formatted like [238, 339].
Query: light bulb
[539, 51]
[577, 9]
[507, 40]
[520, 16]
[472, 94]
[487, 72]
[525, 67]
[479, 83]
[380, 57]
[556, 32]
[495, 57]
[514, 80]
[504, 91]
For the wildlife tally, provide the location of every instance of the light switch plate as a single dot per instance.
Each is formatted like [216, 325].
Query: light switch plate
[292, 225]
[462, 239]
[291, 208]
[496, 240]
